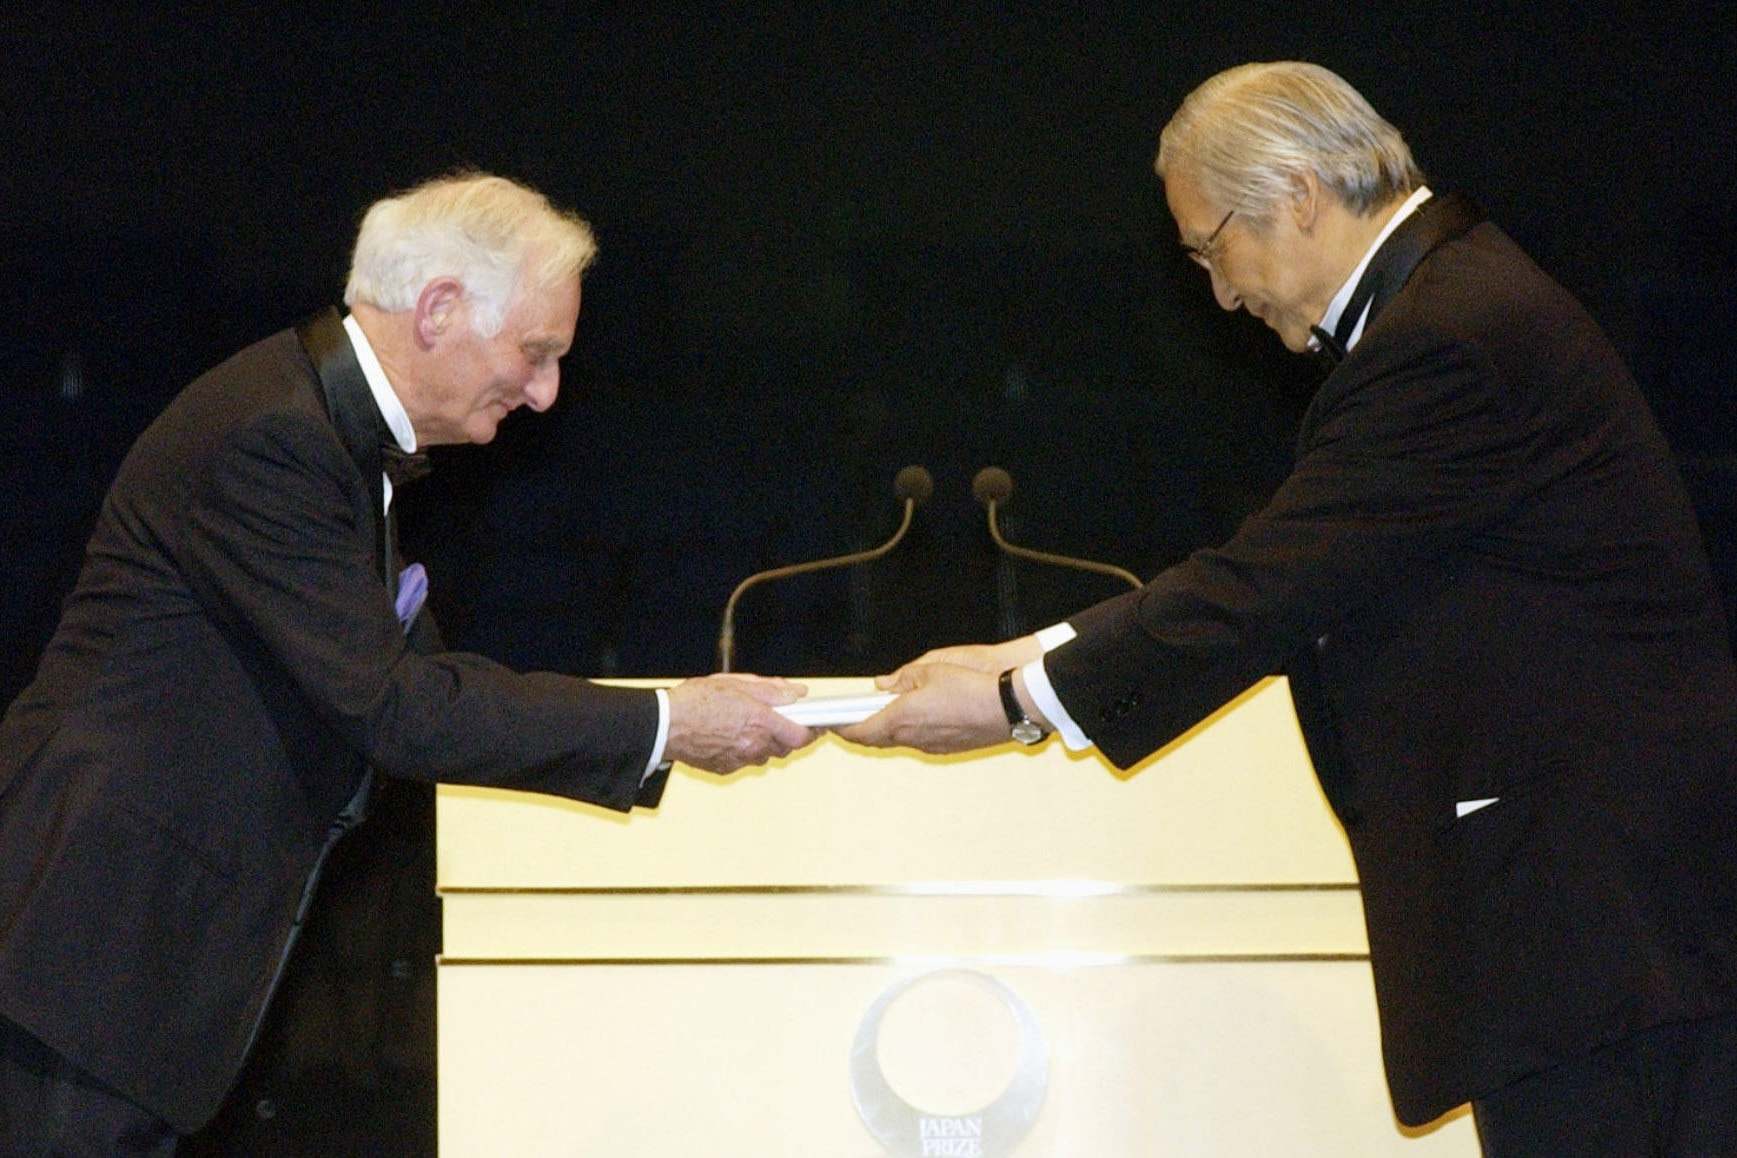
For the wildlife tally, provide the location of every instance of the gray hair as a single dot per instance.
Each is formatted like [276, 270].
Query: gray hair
[479, 229]
[1245, 133]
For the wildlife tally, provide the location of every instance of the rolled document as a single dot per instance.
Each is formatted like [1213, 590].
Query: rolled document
[830, 711]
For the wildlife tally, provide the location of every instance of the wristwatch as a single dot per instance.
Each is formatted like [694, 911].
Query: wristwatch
[1024, 729]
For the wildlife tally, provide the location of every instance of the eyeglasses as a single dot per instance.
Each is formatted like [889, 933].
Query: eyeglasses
[1201, 254]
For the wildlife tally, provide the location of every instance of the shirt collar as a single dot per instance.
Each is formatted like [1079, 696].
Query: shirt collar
[392, 410]
[1336, 307]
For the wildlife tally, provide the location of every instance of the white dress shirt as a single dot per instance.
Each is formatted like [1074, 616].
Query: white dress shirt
[1336, 307]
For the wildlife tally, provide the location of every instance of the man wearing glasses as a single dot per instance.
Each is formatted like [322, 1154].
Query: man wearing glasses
[1508, 656]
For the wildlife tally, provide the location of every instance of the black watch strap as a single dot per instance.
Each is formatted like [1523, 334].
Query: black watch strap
[1021, 726]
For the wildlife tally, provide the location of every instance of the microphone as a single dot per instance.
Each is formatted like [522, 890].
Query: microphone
[992, 486]
[911, 486]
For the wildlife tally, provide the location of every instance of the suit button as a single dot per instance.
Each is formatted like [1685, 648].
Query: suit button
[1116, 709]
[1321, 643]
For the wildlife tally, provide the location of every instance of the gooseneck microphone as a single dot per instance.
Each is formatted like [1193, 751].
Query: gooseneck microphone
[911, 486]
[992, 486]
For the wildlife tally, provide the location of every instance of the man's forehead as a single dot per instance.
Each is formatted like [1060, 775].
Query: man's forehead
[547, 315]
[1194, 215]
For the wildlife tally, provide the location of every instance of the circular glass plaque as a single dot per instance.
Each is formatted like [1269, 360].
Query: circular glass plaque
[992, 1130]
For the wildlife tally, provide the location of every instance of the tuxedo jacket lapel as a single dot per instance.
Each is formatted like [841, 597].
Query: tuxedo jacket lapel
[1437, 220]
[356, 417]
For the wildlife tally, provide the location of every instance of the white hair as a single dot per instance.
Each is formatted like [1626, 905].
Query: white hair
[1244, 135]
[479, 229]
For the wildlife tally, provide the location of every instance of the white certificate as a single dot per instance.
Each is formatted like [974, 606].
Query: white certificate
[830, 711]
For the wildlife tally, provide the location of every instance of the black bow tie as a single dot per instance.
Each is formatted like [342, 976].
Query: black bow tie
[401, 466]
[1330, 349]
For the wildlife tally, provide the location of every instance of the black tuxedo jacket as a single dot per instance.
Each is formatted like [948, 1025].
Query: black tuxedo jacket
[1484, 580]
[227, 670]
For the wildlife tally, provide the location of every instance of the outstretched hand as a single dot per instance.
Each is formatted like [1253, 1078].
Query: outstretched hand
[990, 658]
[723, 722]
[942, 707]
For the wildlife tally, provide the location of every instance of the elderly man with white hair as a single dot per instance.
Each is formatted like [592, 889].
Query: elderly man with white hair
[243, 654]
[1507, 652]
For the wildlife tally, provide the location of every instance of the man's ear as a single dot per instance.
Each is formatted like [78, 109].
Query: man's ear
[437, 311]
[1303, 200]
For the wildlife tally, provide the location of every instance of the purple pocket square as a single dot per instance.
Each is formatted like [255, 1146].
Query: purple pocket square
[412, 590]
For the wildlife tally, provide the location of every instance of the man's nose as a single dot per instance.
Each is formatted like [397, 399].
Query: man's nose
[1228, 299]
[540, 391]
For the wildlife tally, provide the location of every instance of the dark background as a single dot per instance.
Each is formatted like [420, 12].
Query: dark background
[835, 240]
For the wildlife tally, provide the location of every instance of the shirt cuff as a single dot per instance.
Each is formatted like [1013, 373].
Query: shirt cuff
[1042, 693]
[657, 746]
[1055, 635]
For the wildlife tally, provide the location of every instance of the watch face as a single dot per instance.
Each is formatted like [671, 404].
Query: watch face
[1027, 732]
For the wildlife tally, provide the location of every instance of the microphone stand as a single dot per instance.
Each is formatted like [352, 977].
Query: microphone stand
[991, 489]
[909, 481]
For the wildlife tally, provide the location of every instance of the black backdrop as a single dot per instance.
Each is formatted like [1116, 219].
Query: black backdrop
[835, 240]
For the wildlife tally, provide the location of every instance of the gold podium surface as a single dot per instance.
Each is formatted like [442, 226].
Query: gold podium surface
[1183, 945]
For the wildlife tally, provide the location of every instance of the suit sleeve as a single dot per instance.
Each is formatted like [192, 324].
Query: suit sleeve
[274, 553]
[1422, 451]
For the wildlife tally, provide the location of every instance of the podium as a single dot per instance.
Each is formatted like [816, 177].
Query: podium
[853, 953]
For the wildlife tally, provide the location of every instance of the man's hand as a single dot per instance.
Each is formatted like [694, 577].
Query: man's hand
[942, 707]
[992, 658]
[723, 722]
